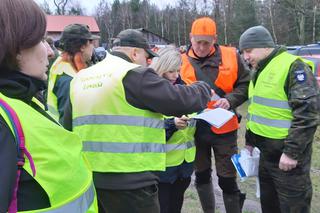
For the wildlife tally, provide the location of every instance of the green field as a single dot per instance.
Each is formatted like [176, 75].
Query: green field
[192, 205]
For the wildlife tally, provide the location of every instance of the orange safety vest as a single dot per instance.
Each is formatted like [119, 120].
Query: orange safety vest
[227, 76]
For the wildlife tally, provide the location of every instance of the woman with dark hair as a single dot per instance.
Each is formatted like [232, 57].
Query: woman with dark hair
[42, 168]
[77, 45]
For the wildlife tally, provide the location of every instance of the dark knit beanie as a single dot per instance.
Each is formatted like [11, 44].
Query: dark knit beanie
[256, 37]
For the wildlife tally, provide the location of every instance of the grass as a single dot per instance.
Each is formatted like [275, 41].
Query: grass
[191, 201]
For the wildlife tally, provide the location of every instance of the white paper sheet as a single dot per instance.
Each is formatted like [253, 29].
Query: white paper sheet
[216, 117]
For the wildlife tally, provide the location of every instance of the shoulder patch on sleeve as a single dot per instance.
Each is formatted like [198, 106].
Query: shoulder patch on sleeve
[300, 76]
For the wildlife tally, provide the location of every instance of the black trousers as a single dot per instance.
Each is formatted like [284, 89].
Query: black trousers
[143, 200]
[171, 195]
[223, 146]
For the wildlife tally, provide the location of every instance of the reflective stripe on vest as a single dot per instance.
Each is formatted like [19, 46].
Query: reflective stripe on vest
[269, 113]
[270, 102]
[118, 137]
[269, 122]
[114, 147]
[118, 120]
[79, 205]
[182, 146]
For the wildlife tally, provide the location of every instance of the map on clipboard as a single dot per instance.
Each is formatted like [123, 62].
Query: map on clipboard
[216, 117]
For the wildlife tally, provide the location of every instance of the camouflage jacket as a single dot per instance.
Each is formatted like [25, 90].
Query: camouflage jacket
[304, 100]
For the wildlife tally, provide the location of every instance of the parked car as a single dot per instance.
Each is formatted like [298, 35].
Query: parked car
[310, 52]
[293, 49]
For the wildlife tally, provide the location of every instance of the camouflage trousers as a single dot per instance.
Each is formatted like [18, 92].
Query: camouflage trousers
[285, 192]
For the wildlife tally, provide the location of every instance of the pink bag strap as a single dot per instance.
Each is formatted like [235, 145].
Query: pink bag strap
[21, 149]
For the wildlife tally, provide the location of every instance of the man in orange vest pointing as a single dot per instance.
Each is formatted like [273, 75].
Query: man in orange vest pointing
[222, 68]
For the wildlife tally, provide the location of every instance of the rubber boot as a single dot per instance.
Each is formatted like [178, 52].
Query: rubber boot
[232, 202]
[206, 196]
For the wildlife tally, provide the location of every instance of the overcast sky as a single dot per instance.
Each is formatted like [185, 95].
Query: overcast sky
[90, 5]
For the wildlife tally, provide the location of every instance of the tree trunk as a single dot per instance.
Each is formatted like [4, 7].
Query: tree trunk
[314, 23]
[272, 22]
[225, 26]
[185, 27]
[178, 26]
[228, 10]
[301, 29]
[162, 25]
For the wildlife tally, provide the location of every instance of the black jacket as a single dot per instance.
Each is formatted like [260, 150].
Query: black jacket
[144, 89]
[17, 85]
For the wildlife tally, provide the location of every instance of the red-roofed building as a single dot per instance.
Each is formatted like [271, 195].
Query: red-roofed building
[56, 24]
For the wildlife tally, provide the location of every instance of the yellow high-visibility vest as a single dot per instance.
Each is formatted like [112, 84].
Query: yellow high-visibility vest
[117, 137]
[61, 168]
[58, 68]
[269, 113]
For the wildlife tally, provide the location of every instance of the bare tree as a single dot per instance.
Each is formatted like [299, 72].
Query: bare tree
[315, 11]
[146, 12]
[289, 21]
[270, 8]
[61, 6]
[227, 12]
[299, 10]
[103, 17]
[45, 7]
[75, 9]
[178, 27]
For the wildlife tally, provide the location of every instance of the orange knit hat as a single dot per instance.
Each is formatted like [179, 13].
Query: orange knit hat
[203, 29]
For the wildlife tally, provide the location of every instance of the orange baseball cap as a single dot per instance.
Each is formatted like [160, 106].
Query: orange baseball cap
[203, 29]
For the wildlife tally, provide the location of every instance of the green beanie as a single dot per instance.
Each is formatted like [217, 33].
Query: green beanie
[256, 37]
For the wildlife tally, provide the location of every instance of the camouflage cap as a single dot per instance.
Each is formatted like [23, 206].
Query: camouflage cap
[133, 38]
[78, 31]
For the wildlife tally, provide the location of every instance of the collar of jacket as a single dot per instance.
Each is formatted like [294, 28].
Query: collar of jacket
[263, 63]
[215, 54]
[121, 55]
[15, 84]
[192, 54]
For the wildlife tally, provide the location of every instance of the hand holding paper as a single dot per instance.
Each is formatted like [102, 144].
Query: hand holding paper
[222, 103]
[182, 122]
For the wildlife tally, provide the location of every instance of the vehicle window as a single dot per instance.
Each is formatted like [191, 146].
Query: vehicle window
[315, 51]
[293, 51]
[309, 51]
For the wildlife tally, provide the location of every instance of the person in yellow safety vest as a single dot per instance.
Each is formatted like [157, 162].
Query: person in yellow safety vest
[117, 108]
[42, 166]
[77, 45]
[175, 180]
[283, 114]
